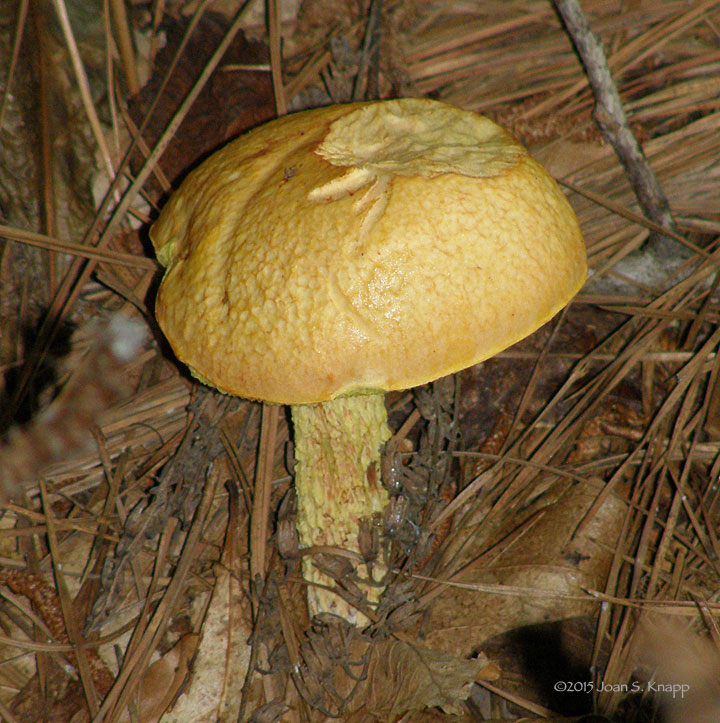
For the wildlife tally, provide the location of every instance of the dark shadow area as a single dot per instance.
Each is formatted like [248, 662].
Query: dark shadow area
[561, 679]
[18, 406]
[553, 662]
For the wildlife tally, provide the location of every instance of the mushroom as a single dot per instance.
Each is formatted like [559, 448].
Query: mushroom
[332, 255]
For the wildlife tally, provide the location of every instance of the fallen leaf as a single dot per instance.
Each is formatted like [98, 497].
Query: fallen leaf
[164, 677]
[547, 557]
[404, 677]
[219, 669]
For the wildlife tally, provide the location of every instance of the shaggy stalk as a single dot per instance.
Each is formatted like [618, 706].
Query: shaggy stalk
[337, 479]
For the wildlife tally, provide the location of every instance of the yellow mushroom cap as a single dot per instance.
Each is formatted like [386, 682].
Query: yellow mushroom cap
[369, 246]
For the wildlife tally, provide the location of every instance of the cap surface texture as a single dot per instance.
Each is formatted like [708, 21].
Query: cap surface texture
[370, 246]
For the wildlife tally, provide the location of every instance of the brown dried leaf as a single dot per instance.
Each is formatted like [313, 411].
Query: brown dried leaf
[402, 677]
[543, 554]
[164, 677]
[219, 669]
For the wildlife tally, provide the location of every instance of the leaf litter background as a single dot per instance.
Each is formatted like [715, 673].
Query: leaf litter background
[555, 509]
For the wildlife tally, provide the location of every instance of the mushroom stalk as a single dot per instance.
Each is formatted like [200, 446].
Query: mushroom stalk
[337, 481]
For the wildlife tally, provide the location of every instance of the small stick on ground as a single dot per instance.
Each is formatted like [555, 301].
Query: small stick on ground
[261, 496]
[613, 123]
[367, 81]
[275, 39]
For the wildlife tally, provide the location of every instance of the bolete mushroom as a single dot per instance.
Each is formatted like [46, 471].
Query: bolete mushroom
[332, 255]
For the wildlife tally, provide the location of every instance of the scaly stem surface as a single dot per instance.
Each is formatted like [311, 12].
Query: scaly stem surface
[337, 480]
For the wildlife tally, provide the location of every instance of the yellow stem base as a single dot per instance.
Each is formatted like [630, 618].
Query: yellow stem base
[337, 480]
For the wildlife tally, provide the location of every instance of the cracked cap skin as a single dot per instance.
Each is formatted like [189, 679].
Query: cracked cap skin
[361, 247]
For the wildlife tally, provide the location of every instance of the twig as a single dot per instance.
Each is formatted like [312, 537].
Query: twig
[275, 37]
[516, 699]
[84, 85]
[109, 256]
[634, 218]
[17, 42]
[612, 120]
[123, 36]
[261, 494]
[68, 612]
[366, 80]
